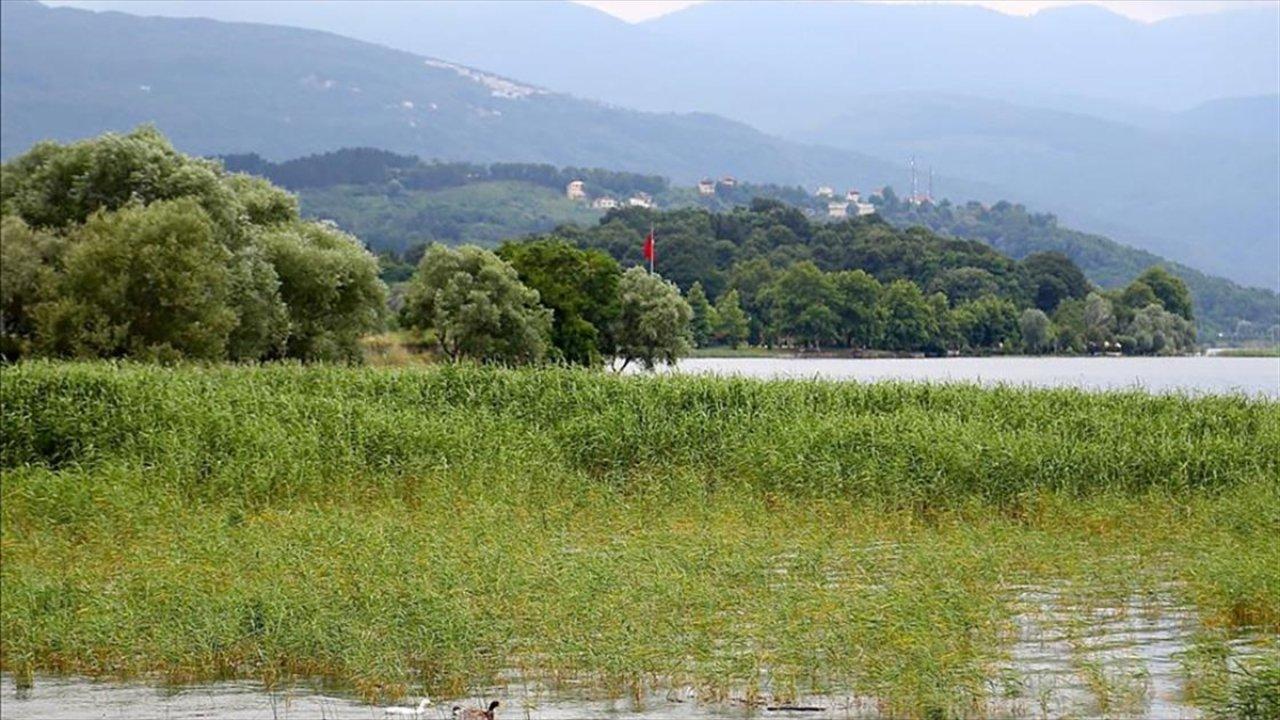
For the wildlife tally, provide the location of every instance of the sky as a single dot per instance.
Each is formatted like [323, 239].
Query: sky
[1144, 10]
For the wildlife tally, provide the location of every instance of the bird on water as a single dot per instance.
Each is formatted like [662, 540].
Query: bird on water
[408, 712]
[471, 713]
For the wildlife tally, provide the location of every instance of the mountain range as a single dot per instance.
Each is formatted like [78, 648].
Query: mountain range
[1165, 136]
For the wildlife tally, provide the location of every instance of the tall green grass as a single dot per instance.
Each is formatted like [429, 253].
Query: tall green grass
[441, 529]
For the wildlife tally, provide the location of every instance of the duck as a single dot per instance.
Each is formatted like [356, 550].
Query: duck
[408, 711]
[471, 713]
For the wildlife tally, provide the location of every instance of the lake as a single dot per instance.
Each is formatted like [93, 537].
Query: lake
[1195, 375]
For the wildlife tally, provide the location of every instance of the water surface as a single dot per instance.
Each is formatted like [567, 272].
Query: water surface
[1195, 375]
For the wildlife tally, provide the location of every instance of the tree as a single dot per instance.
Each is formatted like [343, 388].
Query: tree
[732, 325]
[857, 305]
[330, 285]
[703, 322]
[801, 305]
[26, 278]
[988, 322]
[1037, 331]
[1170, 290]
[653, 325]
[164, 223]
[476, 306]
[1098, 320]
[908, 320]
[964, 284]
[1051, 277]
[1156, 331]
[148, 282]
[581, 289]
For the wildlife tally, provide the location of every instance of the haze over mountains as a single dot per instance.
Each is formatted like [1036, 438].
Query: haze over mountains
[1165, 136]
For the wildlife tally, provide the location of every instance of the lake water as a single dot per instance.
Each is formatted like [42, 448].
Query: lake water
[1194, 375]
[1136, 643]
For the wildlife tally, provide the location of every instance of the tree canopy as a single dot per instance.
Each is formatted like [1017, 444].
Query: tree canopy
[124, 247]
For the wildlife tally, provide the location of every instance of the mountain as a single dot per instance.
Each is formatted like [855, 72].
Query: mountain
[740, 59]
[1076, 110]
[218, 87]
[1201, 190]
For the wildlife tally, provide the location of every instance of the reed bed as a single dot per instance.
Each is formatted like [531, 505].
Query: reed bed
[444, 529]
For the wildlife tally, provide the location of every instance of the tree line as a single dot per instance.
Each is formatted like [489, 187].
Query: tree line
[368, 166]
[120, 246]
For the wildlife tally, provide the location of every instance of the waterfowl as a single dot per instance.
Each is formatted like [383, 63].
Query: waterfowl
[408, 711]
[471, 713]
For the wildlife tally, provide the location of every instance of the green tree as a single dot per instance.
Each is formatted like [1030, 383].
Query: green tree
[148, 282]
[476, 306]
[26, 278]
[1050, 278]
[1099, 320]
[653, 326]
[988, 322]
[909, 323]
[732, 325]
[802, 301]
[1037, 331]
[580, 287]
[291, 288]
[1156, 331]
[1170, 290]
[857, 305]
[330, 285]
[703, 323]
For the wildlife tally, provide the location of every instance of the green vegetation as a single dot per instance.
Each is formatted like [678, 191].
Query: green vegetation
[862, 284]
[122, 247]
[424, 530]
[1239, 313]
[397, 202]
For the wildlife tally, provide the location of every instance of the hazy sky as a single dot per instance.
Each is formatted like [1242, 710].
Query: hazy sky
[1145, 10]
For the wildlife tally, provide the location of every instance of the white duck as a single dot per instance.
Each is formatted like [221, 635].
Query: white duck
[408, 712]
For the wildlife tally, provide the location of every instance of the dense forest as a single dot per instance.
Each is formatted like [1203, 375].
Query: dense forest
[863, 284]
[1224, 310]
[398, 204]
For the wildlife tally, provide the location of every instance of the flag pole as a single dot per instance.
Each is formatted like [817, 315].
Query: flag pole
[654, 252]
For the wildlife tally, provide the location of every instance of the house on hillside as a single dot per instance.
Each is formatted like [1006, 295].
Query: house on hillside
[729, 181]
[640, 199]
[707, 187]
[853, 196]
[605, 203]
[863, 208]
[837, 209]
[825, 191]
[576, 190]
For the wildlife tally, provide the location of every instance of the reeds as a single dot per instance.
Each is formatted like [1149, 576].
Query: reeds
[440, 529]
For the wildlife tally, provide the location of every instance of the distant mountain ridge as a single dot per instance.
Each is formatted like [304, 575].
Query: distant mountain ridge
[217, 87]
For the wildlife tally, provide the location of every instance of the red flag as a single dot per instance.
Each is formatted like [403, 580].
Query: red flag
[648, 247]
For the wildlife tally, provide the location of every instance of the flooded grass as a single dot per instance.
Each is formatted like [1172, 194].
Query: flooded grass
[940, 551]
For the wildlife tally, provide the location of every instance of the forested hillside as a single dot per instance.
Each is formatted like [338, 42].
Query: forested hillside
[396, 202]
[1222, 306]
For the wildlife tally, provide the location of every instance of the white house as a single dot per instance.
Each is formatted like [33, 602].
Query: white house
[575, 190]
[825, 191]
[729, 181]
[864, 208]
[837, 209]
[853, 196]
[707, 187]
[641, 199]
[604, 203]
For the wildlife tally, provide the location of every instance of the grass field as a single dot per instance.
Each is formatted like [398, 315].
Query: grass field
[439, 529]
